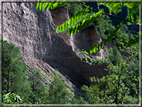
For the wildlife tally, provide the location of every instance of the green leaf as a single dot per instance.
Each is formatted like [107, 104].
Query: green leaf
[113, 7]
[45, 6]
[37, 6]
[49, 6]
[85, 51]
[129, 23]
[41, 4]
[57, 29]
[91, 50]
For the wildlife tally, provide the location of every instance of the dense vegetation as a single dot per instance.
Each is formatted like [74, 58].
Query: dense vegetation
[14, 72]
[121, 86]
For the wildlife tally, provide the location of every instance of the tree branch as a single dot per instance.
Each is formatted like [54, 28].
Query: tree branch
[109, 14]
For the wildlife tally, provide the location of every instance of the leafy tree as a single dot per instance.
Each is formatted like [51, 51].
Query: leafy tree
[17, 79]
[121, 86]
[14, 72]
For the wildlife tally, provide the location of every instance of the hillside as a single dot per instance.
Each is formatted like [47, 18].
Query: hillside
[34, 32]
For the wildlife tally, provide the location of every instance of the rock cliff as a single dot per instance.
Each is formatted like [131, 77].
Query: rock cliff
[35, 33]
[81, 40]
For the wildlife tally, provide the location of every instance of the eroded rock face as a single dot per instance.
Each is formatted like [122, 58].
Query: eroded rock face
[35, 33]
[81, 40]
[59, 16]
[85, 39]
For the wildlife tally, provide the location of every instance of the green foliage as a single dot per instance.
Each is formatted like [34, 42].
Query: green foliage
[113, 7]
[58, 93]
[39, 90]
[15, 73]
[121, 35]
[73, 21]
[114, 55]
[78, 22]
[79, 100]
[11, 98]
[75, 24]
[73, 8]
[42, 6]
[112, 89]
[16, 78]
[132, 9]
[103, 26]
[87, 58]
[133, 40]
[29, 85]
[122, 85]
[86, 20]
